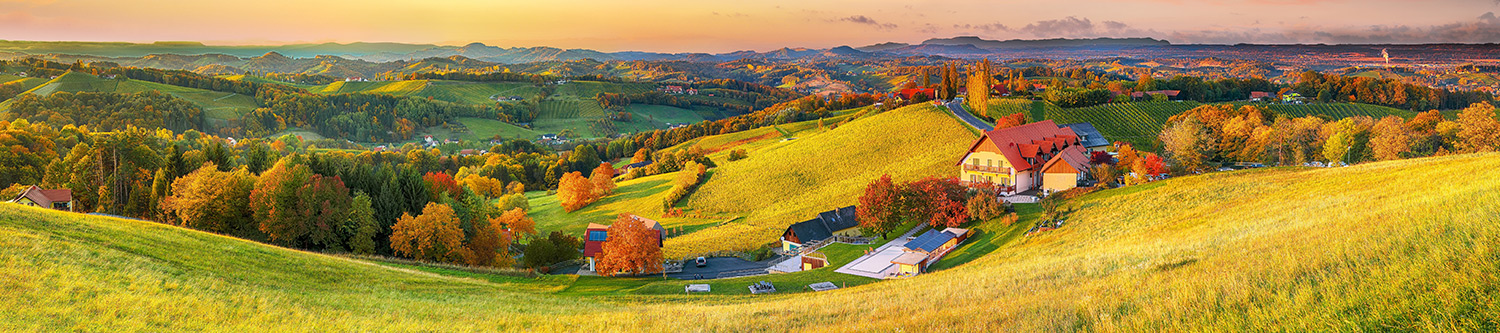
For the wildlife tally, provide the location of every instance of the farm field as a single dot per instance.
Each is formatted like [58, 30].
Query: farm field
[1175, 254]
[1140, 122]
[216, 105]
[790, 181]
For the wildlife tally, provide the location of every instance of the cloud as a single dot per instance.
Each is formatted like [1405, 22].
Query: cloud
[1074, 27]
[1483, 29]
[990, 28]
[861, 19]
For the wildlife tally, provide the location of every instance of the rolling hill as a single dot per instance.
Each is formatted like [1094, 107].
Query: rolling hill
[215, 104]
[1369, 247]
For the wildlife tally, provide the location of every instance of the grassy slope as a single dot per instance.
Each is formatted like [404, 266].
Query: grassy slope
[1370, 247]
[791, 181]
[215, 104]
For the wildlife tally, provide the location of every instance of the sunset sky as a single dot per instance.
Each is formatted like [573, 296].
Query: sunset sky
[730, 25]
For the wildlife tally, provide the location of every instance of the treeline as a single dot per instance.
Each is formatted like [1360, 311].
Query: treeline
[1211, 136]
[484, 77]
[359, 116]
[1387, 92]
[300, 78]
[281, 191]
[108, 111]
[1208, 91]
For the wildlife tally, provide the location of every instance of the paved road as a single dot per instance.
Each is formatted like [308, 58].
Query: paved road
[957, 107]
[717, 266]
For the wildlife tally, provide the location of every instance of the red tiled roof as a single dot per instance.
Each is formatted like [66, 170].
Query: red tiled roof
[1073, 157]
[1259, 94]
[1024, 141]
[41, 196]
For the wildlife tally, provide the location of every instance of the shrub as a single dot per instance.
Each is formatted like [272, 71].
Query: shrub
[738, 154]
[984, 206]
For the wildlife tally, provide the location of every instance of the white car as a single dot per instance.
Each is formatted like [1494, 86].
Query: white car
[701, 261]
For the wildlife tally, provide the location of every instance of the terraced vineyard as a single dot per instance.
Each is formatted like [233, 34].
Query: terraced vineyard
[1137, 123]
[1336, 110]
[1140, 122]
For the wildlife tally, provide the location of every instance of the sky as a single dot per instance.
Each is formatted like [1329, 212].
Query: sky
[730, 25]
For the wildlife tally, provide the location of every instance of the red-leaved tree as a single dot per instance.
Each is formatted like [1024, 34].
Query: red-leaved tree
[878, 207]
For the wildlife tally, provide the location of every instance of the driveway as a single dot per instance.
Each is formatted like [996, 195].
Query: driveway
[722, 268]
[957, 107]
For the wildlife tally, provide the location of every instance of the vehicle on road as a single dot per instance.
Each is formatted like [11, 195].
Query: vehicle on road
[701, 261]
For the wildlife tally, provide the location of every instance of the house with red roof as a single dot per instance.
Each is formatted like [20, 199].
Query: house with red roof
[1256, 96]
[596, 234]
[1000, 90]
[60, 199]
[1039, 155]
[907, 94]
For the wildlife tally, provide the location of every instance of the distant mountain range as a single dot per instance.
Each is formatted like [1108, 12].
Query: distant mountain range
[387, 52]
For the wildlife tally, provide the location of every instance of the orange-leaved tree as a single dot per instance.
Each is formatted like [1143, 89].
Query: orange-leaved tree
[603, 180]
[491, 241]
[631, 248]
[435, 235]
[574, 191]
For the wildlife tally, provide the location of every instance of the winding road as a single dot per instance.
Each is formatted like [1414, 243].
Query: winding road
[957, 107]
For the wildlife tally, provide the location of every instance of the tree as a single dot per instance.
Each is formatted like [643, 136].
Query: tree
[1389, 139]
[515, 220]
[1011, 120]
[1479, 132]
[574, 191]
[360, 225]
[941, 200]
[641, 155]
[488, 246]
[878, 208]
[556, 247]
[984, 206]
[440, 183]
[632, 248]
[211, 200]
[603, 179]
[484, 186]
[1187, 142]
[434, 235]
[274, 201]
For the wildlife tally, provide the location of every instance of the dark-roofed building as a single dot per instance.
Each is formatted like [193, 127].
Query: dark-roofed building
[1088, 136]
[838, 222]
[926, 249]
[636, 165]
[60, 199]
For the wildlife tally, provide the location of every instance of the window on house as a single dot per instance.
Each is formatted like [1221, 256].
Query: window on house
[598, 235]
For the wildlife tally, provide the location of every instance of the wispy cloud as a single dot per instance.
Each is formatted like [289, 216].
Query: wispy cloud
[1483, 29]
[865, 20]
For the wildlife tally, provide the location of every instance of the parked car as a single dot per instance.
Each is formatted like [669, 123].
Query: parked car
[701, 261]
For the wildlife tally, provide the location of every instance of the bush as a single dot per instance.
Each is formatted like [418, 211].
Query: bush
[984, 206]
[738, 154]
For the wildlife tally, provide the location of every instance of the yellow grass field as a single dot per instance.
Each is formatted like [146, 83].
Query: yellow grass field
[790, 182]
[1390, 246]
[1406, 245]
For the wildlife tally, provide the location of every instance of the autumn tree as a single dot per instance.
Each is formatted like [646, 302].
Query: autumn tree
[632, 248]
[556, 247]
[484, 186]
[212, 200]
[981, 77]
[1011, 120]
[879, 207]
[1479, 131]
[1389, 139]
[603, 180]
[434, 235]
[487, 247]
[440, 183]
[985, 206]
[641, 155]
[940, 200]
[574, 191]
